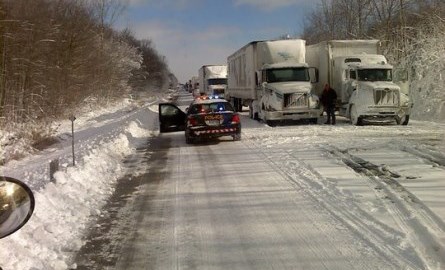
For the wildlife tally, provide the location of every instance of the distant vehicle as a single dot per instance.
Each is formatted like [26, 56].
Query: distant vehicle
[363, 80]
[274, 81]
[16, 205]
[206, 117]
[213, 80]
[195, 86]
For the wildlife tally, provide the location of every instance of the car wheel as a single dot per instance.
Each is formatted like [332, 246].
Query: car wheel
[237, 137]
[188, 138]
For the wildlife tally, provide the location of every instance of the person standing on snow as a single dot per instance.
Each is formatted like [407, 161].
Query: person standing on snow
[328, 99]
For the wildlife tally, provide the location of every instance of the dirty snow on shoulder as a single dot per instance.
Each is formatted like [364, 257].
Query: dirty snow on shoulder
[384, 183]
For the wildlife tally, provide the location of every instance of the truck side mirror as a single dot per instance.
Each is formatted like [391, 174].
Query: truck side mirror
[16, 205]
[313, 74]
[258, 78]
[354, 85]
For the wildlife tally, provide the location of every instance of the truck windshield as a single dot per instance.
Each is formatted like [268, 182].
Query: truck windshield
[287, 75]
[218, 92]
[217, 81]
[375, 75]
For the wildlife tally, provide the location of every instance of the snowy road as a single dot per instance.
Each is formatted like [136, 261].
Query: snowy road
[289, 197]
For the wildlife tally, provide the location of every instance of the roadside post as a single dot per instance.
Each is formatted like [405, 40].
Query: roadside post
[72, 118]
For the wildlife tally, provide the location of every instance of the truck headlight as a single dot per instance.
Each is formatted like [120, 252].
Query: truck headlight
[404, 100]
[314, 102]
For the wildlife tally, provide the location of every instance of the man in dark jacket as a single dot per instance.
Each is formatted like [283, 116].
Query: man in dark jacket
[328, 99]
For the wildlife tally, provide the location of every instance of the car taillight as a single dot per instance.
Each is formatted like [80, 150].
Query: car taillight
[191, 121]
[235, 119]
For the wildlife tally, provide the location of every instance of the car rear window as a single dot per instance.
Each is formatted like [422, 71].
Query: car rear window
[211, 107]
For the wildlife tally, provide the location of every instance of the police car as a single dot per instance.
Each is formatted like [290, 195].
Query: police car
[206, 117]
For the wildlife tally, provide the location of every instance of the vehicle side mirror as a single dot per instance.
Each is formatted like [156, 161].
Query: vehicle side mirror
[354, 85]
[258, 78]
[313, 74]
[16, 205]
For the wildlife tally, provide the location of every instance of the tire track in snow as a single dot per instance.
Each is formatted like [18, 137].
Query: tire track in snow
[426, 154]
[379, 236]
[422, 226]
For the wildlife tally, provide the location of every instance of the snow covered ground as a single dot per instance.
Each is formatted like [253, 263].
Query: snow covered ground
[384, 182]
[63, 207]
[387, 203]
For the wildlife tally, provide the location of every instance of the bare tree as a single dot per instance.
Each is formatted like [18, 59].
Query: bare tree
[57, 55]
[353, 17]
[424, 59]
[338, 19]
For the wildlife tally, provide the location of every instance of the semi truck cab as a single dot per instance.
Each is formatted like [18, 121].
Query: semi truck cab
[369, 93]
[217, 87]
[286, 93]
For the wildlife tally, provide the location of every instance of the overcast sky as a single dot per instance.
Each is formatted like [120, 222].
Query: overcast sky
[192, 33]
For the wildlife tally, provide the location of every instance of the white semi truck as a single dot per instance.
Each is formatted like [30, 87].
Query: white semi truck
[274, 81]
[213, 80]
[363, 80]
[194, 82]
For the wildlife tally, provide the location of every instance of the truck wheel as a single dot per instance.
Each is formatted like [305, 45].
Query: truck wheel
[271, 123]
[253, 115]
[404, 120]
[355, 118]
[262, 115]
[233, 102]
[239, 107]
[236, 104]
[237, 137]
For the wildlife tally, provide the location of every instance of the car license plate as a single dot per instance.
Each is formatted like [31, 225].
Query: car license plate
[212, 122]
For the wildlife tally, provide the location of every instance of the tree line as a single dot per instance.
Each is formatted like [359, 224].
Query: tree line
[395, 22]
[56, 55]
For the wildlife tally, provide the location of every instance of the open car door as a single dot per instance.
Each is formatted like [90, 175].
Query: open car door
[171, 118]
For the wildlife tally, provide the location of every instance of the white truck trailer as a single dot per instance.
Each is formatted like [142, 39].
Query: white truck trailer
[213, 80]
[363, 80]
[274, 81]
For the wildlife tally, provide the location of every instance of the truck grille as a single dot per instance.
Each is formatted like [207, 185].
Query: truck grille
[295, 100]
[386, 97]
